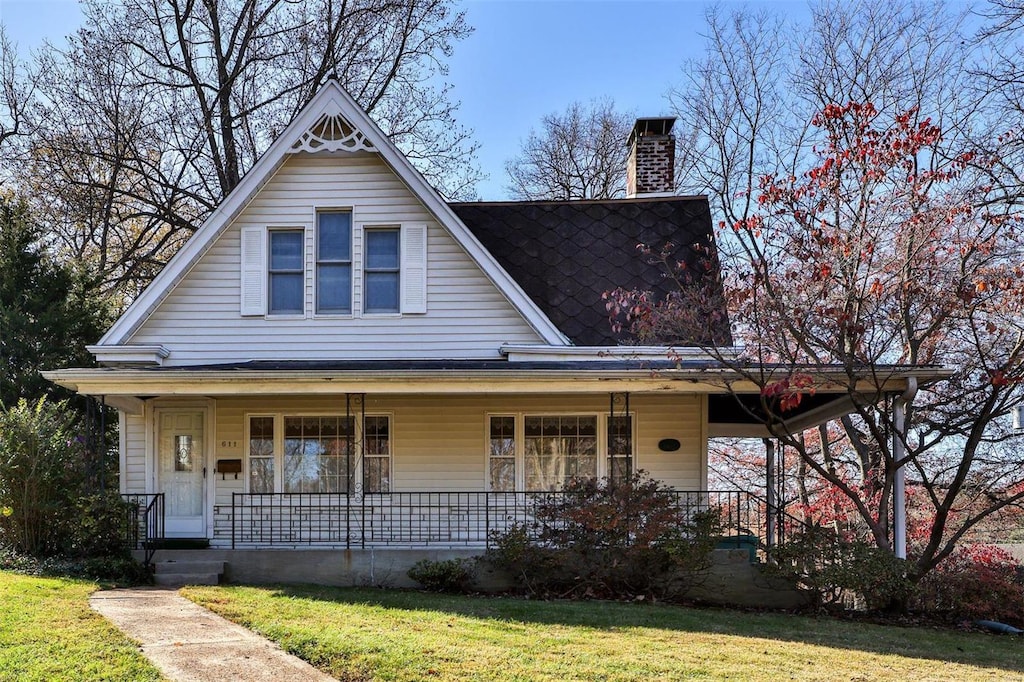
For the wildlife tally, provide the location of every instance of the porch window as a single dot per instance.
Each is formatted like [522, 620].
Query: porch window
[558, 449]
[620, 447]
[286, 272]
[377, 458]
[502, 455]
[334, 263]
[316, 454]
[381, 271]
[261, 454]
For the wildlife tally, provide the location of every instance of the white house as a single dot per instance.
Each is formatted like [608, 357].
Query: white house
[338, 358]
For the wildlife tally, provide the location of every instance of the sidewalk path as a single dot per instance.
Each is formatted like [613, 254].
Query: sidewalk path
[190, 644]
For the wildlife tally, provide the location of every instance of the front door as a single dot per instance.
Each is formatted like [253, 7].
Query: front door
[181, 471]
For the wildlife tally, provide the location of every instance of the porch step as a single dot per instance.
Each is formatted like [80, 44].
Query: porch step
[176, 573]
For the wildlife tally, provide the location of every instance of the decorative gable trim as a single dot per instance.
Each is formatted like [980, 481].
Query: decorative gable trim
[332, 133]
[330, 98]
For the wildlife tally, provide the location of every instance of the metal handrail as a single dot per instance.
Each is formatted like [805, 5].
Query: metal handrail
[146, 523]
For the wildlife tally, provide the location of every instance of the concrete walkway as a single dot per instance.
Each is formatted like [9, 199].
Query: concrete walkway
[190, 644]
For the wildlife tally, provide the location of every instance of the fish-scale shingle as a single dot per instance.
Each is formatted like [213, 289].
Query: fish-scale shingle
[566, 254]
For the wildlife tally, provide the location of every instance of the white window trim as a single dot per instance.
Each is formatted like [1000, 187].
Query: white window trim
[279, 417]
[305, 229]
[520, 443]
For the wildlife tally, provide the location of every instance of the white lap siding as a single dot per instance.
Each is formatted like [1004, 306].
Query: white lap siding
[134, 457]
[439, 443]
[467, 317]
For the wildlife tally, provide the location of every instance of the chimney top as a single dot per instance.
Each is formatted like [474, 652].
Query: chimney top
[650, 166]
[651, 126]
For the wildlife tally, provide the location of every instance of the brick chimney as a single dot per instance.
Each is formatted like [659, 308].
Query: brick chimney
[650, 170]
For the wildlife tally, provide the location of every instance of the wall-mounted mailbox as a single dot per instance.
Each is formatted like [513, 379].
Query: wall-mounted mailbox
[669, 444]
[229, 466]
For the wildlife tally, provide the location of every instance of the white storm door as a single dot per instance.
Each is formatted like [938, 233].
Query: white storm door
[181, 471]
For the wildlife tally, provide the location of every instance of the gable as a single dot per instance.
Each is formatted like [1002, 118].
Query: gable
[464, 315]
[566, 255]
[333, 123]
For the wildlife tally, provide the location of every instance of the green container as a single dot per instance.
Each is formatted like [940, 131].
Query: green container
[747, 542]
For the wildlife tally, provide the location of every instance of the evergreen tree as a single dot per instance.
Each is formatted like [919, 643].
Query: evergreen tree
[48, 310]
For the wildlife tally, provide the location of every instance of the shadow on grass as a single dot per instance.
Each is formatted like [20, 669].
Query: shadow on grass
[969, 648]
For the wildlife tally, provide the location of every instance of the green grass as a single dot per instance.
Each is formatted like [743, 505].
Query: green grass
[48, 632]
[362, 634]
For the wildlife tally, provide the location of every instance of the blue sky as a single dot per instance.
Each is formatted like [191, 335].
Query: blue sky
[526, 58]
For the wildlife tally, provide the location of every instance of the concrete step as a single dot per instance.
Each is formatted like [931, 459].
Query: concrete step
[188, 566]
[180, 579]
[190, 572]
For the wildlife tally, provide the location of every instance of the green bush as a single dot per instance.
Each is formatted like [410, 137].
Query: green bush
[834, 571]
[40, 474]
[601, 539]
[450, 575]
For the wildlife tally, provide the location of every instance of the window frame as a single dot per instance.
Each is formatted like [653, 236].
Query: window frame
[519, 446]
[366, 270]
[356, 476]
[271, 271]
[318, 261]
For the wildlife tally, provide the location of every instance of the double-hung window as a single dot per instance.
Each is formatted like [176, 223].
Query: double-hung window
[286, 272]
[334, 263]
[381, 271]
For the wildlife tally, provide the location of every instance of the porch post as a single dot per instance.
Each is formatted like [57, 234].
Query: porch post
[899, 497]
[769, 489]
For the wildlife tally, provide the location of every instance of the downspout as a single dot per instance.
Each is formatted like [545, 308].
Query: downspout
[899, 497]
[769, 489]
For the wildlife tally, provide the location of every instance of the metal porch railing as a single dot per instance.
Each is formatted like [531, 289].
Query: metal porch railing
[145, 524]
[444, 519]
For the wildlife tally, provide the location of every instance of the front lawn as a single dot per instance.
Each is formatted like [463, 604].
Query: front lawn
[48, 632]
[366, 634]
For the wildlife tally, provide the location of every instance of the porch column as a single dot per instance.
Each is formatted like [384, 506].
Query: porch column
[769, 491]
[899, 496]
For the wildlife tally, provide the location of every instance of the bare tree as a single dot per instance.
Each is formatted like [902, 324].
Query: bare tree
[157, 108]
[16, 91]
[578, 154]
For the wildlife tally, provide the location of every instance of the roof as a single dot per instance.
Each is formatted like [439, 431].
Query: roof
[566, 254]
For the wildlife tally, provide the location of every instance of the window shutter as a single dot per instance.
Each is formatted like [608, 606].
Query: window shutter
[253, 271]
[414, 268]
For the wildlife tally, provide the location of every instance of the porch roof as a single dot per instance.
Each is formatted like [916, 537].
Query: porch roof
[733, 402]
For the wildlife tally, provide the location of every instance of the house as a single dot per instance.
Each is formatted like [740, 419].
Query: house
[340, 360]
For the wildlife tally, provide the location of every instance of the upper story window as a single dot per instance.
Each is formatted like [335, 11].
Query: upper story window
[334, 262]
[352, 270]
[381, 271]
[286, 272]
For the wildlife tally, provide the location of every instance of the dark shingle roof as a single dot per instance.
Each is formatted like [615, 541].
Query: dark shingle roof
[566, 254]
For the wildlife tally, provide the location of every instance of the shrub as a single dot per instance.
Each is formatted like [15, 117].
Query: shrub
[974, 582]
[40, 459]
[602, 539]
[450, 575]
[834, 570]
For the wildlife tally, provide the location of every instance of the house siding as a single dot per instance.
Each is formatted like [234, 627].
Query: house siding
[467, 317]
[134, 474]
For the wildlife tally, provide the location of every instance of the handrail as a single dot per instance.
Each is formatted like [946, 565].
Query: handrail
[146, 523]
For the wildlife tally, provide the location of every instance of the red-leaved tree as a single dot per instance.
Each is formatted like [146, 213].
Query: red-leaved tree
[891, 252]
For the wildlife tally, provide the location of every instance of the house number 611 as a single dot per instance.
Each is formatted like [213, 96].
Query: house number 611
[229, 443]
